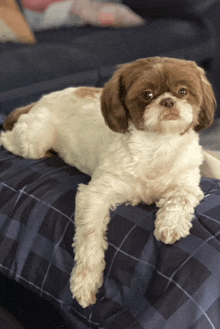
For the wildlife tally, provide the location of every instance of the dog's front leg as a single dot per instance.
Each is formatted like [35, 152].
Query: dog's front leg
[93, 203]
[173, 220]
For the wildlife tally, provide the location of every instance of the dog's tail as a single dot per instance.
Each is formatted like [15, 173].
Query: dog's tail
[13, 117]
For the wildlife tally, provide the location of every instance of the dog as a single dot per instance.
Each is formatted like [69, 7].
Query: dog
[138, 139]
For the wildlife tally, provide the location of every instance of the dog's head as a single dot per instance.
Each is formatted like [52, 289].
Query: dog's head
[159, 94]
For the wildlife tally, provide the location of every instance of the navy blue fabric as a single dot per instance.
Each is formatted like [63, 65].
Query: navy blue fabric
[147, 284]
[172, 8]
[28, 72]
[42, 63]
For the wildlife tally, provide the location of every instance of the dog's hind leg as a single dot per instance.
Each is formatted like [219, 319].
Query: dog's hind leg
[13, 117]
[32, 135]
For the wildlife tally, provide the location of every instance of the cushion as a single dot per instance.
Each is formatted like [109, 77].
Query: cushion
[147, 284]
[13, 26]
[55, 13]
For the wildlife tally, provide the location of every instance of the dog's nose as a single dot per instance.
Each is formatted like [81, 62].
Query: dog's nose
[167, 102]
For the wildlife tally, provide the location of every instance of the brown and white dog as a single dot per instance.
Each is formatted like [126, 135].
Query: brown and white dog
[137, 138]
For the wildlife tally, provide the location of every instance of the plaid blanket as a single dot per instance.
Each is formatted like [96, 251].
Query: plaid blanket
[147, 284]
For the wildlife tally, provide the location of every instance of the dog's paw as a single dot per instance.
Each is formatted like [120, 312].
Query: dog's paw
[84, 285]
[169, 235]
[169, 229]
[83, 293]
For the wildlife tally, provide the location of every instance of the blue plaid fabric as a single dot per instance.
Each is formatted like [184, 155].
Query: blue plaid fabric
[147, 284]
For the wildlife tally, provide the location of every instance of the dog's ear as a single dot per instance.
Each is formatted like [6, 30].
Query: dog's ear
[207, 112]
[113, 109]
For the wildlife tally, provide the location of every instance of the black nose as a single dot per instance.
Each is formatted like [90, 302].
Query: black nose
[168, 102]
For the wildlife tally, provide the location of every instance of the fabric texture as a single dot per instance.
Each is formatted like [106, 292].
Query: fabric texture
[147, 284]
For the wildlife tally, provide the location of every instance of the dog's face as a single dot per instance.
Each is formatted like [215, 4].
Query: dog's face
[163, 95]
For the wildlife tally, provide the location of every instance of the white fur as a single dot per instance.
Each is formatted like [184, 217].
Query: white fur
[140, 165]
[154, 116]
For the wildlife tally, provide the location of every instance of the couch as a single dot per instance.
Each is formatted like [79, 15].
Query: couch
[147, 284]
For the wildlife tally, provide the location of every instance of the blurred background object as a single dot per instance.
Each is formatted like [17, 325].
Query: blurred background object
[13, 26]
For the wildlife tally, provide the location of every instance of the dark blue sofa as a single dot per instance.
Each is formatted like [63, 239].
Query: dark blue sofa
[147, 285]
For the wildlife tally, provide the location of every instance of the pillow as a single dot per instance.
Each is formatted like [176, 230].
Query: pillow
[143, 277]
[43, 14]
[13, 26]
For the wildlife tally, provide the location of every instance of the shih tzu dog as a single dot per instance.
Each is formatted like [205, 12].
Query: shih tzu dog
[138, 139]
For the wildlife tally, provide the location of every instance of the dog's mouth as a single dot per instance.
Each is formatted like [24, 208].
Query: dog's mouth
[168, 120]
[172, 114]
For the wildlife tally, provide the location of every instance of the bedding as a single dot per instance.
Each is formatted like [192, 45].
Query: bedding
[147, 284]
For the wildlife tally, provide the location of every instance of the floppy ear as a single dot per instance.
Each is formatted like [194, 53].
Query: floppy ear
[207, 112]
[113, 109]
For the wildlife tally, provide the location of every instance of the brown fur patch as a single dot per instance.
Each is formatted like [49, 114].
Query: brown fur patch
[50, 154]
[92, 92]
[14, 116]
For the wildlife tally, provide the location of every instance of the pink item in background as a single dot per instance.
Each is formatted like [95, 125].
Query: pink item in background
[38, 5]
[106, 18]
[106, 14]
[59, 12]
[118, 15]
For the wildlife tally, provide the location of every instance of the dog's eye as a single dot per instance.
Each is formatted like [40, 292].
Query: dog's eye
[148, 95]
[183, 92]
